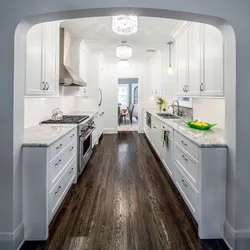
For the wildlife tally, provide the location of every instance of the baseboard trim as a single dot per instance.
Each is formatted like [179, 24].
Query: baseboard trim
[12, 240]
[110, 131]
[234, 237]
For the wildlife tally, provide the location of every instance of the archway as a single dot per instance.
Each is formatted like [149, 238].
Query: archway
[80, 10]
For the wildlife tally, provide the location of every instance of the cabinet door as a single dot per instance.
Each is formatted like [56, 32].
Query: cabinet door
[51, 58]
[182, 62]
[167, 155]
[34, 57]
[194, 59]
[83, 63]
[157, 138]
[213, 84]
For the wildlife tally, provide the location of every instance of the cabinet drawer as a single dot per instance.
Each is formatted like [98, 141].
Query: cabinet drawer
[60, 144]
[188, 164]
[188, 192]
[57, 194]
[60, 162]
[185, 143]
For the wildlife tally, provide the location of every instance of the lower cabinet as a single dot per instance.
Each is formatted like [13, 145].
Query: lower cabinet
[167, 152]
[198, 173]
[48, 173]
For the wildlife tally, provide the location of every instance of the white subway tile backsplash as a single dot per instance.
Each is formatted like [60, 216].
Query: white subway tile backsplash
[39, 109]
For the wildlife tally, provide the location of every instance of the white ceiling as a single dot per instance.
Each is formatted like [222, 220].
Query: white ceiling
[153, 33]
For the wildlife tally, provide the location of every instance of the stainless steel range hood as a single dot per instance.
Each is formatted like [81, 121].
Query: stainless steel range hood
[67, 76]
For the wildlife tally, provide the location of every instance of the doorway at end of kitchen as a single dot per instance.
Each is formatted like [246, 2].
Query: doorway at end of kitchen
[128, 100]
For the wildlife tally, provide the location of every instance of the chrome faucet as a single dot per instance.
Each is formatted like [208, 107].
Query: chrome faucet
[178, 107]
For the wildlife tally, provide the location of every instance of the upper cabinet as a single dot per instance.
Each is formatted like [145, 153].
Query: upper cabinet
[199, 61]
[212, 84]
[42, 60]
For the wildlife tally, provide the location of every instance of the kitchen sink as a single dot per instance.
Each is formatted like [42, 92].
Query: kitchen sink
[168, 116]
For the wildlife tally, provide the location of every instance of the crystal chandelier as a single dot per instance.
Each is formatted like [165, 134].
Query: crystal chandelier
[123, 51]
[125, 25]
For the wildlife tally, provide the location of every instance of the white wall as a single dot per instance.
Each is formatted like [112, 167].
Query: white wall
[136, 69]
[210, 110]
[39, 109]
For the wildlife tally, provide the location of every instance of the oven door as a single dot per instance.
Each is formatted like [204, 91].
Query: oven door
[85, 142]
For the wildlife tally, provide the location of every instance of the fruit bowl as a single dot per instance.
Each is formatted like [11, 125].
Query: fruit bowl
[200, 125]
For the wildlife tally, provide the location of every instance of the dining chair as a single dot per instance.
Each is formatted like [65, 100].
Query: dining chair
[130, 112]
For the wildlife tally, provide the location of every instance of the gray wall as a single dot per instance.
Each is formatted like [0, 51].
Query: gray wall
[128, 81]
[219, 13]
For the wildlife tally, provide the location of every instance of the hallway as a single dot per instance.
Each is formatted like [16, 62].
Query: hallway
[124, 200]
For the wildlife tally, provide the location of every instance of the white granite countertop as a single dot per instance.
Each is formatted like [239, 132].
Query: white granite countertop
[44, 135]
[212, 138]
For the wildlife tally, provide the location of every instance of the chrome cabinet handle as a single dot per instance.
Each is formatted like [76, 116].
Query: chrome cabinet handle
[57, 191]
[44, 85]
[58, 162]
[59, 146]
[72, 135]
[71, 170]
[186, 88]
[184, 183]
[154, 127]
[71, 148]
[186, 159]
[201, 87]
[185, 144]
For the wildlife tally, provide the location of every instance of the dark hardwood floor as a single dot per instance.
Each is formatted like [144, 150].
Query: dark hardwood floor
[124, 200]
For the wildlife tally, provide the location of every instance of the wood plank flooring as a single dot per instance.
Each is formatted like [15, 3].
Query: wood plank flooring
[124, 200]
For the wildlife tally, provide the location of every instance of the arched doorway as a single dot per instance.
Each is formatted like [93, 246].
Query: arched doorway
[63, 11]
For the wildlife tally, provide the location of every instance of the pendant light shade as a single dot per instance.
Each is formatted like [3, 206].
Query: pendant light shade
[123, 51]
[125, 25]
[170, 68]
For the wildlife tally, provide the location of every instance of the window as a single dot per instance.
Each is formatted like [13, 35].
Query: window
[123, 95]
[136, 95]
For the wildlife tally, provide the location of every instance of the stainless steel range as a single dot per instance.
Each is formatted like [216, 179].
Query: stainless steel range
[85, 144]
[84, 132]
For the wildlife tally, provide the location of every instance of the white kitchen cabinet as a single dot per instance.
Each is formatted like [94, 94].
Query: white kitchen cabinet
[212, 84]
[42, 60]
[182, 62]
[194, 59]
[156, 138]
[48, 173]
[34, 55]
[167, 151]
[198, 173]
[83, 62]
[199, 61]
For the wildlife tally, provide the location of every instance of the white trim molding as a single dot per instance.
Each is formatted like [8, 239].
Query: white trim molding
[236, 239]
[180, 27]
[12, 240]
[110, 131]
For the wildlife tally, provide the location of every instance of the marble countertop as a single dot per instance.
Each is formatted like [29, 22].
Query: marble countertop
[212, 138]
[44, 135]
